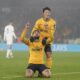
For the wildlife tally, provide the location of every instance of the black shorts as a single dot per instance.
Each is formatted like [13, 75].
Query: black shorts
[47, 48]
[37, 67]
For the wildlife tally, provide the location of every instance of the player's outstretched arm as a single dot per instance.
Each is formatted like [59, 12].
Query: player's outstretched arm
[23, 34]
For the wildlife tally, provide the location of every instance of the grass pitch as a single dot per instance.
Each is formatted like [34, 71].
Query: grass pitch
[66, 66]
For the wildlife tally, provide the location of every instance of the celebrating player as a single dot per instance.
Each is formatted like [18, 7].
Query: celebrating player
[46, 25]
[9, 36]
[36, 50]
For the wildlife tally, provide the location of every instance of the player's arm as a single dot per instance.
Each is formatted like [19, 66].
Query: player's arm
[5, 33]
[23, 35]
[36, 26]
[14, 35]
[47, 40]
[4, 36]
[52, 31]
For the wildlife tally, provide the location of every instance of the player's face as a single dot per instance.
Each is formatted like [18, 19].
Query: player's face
[47, 14]
[36, 34]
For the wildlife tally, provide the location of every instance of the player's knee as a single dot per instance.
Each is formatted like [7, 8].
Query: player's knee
[29, 73]
[46, 73]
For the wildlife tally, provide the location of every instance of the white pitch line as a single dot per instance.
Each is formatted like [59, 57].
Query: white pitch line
[69, 73]
[11, 77]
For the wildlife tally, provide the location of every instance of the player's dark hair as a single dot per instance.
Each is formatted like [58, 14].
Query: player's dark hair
[46, 8]
[35, 31]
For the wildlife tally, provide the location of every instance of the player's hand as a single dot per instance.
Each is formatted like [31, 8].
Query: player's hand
[19, 40]
[27, 25]
[44, 41]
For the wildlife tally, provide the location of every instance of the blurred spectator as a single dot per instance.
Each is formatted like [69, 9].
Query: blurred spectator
[9, 36]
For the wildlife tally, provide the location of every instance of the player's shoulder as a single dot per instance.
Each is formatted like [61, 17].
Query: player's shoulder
[6, 27]
[40, 19]
[53, 21]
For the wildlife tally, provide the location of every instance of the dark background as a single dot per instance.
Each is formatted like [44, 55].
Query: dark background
[65, 12]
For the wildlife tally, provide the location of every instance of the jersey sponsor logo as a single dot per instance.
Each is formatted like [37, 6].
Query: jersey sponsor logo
[46, 31]
[37, 49]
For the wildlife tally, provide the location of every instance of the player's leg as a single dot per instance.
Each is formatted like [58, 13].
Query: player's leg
[11, 54]
[8, 51]
[7, 54]
[29, 73]
[30, 70]
[48, 55]
[44, 71]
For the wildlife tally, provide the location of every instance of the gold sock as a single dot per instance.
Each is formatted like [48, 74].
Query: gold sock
[49, 63]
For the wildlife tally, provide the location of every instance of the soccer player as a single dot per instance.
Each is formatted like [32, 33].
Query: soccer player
[36, 57]
[9, 36]
[47, 27]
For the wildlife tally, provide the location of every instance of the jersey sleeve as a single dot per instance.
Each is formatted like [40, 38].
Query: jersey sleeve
[26, 41]
[4, 36]
[5, 32]
[36, 26]
[23, 37]
[52, 31]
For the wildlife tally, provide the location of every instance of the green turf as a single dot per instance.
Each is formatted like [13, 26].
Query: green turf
[66, 66]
